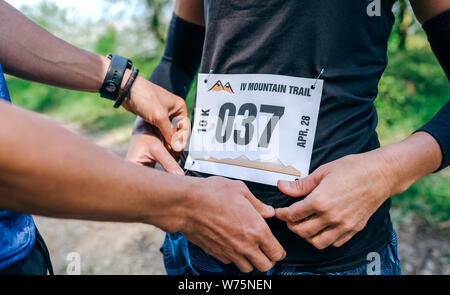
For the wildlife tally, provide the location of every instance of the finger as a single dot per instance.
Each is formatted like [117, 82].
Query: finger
[179, 109]
[166, 160]
[299, 187]
[224, 260]
[272, 248]
[266, 211]
[326, 237]
[260, 261]
[242, 263]
[308, 228]
[209, 245]
[221, 258]
[168, 146]
[138, 150]
[297, 211]
[344, 239]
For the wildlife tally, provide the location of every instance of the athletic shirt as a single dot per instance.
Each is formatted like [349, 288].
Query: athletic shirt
[17, 231]
[300, 38]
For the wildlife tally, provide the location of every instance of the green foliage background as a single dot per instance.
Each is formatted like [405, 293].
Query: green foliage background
[411, 91]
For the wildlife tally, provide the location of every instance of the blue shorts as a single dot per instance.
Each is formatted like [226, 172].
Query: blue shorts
[184, 258]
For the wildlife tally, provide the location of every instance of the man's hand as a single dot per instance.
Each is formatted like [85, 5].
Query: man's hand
[162, 109]
[39, 56]
[345, 193]
[148, 147]
[342, 196]
[222, 220]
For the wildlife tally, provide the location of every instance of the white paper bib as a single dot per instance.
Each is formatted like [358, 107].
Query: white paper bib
[254, 127]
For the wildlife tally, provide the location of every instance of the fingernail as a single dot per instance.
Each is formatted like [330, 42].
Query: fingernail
[270, 211]
[178, 146]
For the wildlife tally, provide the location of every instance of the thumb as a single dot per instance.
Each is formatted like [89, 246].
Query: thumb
[180, 138]
[266, 211]
[300, 187]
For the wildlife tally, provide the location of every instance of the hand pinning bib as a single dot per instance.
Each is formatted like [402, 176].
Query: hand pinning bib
[254, 127]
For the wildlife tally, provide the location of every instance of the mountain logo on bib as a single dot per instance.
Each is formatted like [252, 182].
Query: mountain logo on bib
[220, 87]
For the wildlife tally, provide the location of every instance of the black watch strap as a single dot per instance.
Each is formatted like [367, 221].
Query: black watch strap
[113, 79]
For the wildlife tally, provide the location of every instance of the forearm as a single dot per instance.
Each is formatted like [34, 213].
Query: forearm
[47, 170]
[406, 162]
[182, 54]
[181, 58]
[39, 56]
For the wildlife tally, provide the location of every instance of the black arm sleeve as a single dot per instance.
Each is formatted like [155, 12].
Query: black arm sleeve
[439, 128]
[438, 32]
[182, 56]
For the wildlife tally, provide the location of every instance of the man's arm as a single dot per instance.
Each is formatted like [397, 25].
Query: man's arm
[28, 51]
[435, 17]
[345, 193]
[47, 170]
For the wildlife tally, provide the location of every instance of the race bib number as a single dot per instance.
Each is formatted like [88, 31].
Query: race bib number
[254, 127]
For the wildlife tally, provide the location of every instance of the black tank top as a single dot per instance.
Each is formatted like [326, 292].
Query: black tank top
[299, 38]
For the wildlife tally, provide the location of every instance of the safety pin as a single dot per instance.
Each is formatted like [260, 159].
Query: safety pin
[187, 170]
[318, 77]
[210, 72]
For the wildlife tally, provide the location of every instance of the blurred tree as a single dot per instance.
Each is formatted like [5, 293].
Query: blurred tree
[41, 11]
[155, 13]
[107, 42]
[404, 21]
[157, 23]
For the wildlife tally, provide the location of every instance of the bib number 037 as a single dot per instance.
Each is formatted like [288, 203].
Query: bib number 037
[254, 127]
[249, 112]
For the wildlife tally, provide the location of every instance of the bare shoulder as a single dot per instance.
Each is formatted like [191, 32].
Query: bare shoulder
[426, 9]
[191, 11]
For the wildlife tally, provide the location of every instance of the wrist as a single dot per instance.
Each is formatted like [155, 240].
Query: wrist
[175, 204]
[409, 160]
[391, 170]
[133, 96]
[102, 73]
[118, 81]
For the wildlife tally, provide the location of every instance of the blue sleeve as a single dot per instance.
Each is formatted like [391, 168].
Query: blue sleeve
[4, 93]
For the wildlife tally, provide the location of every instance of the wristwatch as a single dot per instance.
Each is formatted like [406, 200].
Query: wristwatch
[113, 79]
